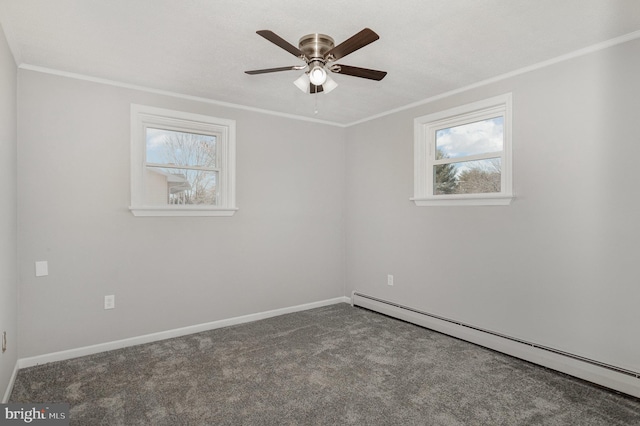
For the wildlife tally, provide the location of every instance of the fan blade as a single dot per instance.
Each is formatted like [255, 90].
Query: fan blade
[280, 42]
[266, 70]
[361, 72]
[352, 44]
[314, 89]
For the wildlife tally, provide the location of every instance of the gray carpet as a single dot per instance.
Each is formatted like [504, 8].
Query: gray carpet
[335, 365]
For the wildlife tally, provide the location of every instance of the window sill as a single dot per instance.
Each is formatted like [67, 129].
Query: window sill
[183, 211]
[464, 200]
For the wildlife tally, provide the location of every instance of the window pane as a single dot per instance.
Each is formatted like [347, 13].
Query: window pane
[181, 149]
[468, 177]
[470, 139]
[165, 186]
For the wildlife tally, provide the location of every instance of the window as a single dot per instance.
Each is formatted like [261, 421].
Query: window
[462, 156]
[182, 164]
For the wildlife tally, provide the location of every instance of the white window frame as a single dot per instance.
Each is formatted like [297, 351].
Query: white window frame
[425, 129]
[143, 117]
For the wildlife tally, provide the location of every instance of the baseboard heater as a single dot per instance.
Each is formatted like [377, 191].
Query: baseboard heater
[611, 376]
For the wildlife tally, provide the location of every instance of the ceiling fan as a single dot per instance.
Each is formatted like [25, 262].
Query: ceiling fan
[319, 53]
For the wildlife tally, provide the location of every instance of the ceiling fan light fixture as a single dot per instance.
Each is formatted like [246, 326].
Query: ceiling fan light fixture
[302, 82]
[317, 74]
[329, 85]
[318, 51]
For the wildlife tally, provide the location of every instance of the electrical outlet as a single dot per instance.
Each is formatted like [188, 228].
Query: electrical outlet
[110, 301]
[389, 279]
[4, 341]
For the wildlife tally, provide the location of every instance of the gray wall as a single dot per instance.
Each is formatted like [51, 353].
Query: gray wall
[8, 265]
[559, 266]
[284, 247]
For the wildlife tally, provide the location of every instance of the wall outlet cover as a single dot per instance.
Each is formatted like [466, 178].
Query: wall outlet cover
[110, 301]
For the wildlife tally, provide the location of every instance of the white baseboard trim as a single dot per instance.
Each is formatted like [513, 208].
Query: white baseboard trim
[168, 334]
[574, 367]
[12, 380]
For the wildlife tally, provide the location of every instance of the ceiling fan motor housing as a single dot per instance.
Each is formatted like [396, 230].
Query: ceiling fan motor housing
[316, 46]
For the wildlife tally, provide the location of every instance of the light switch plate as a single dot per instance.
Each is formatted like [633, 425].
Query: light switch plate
[42, 268]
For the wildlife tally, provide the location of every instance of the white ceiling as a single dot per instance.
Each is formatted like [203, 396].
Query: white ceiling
[202, 47]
